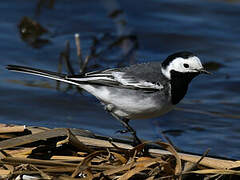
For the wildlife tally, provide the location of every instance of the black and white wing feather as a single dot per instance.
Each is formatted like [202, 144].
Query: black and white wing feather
[147, 77]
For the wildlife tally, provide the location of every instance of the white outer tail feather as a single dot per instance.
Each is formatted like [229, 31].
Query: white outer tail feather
[39, 72]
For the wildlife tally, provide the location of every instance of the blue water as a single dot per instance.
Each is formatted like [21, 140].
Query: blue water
[208, 117]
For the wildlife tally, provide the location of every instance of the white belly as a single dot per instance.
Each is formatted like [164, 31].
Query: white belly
[130, 105]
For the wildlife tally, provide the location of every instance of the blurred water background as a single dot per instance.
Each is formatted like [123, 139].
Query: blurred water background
[115, 33]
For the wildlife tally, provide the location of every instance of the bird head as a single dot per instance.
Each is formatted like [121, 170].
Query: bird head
[182, 63]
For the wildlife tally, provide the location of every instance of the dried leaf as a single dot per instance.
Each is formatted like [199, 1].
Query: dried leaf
[43, 175]
[12, 129]
[216, 171]
[170, 148]
[18, 141]
[131, 173]
[86, 161]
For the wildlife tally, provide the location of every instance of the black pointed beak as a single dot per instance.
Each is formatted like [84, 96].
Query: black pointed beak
[204, 71]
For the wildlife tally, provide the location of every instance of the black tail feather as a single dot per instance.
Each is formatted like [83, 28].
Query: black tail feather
[35, 71]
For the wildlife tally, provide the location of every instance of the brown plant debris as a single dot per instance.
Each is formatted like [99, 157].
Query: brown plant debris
[76, 154]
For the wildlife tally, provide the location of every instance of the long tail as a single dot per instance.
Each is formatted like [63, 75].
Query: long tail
[39, 72]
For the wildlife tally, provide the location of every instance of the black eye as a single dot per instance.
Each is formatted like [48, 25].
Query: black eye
[186, 65]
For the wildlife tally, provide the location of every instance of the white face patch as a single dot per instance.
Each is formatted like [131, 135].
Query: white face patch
[191, 64]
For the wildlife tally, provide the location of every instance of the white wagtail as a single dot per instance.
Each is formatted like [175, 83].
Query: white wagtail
[136, 92]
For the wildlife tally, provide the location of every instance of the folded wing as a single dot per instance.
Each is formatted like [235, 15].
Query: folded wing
[113, 77]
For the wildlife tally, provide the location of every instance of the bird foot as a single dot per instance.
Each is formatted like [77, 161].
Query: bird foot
[136, 140]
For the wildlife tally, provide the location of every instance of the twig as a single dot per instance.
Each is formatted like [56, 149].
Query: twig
[85, 63]
[194, 165]
[79, 53]
[169, 141]
[66, 58]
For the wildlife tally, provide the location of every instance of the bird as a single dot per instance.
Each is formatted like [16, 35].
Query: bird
[138, 91]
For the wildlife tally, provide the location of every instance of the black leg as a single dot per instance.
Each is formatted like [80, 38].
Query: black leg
[129, 129]
[136, 140]
[109, 108]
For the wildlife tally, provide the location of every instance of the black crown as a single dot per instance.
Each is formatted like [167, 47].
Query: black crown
[170, 58]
